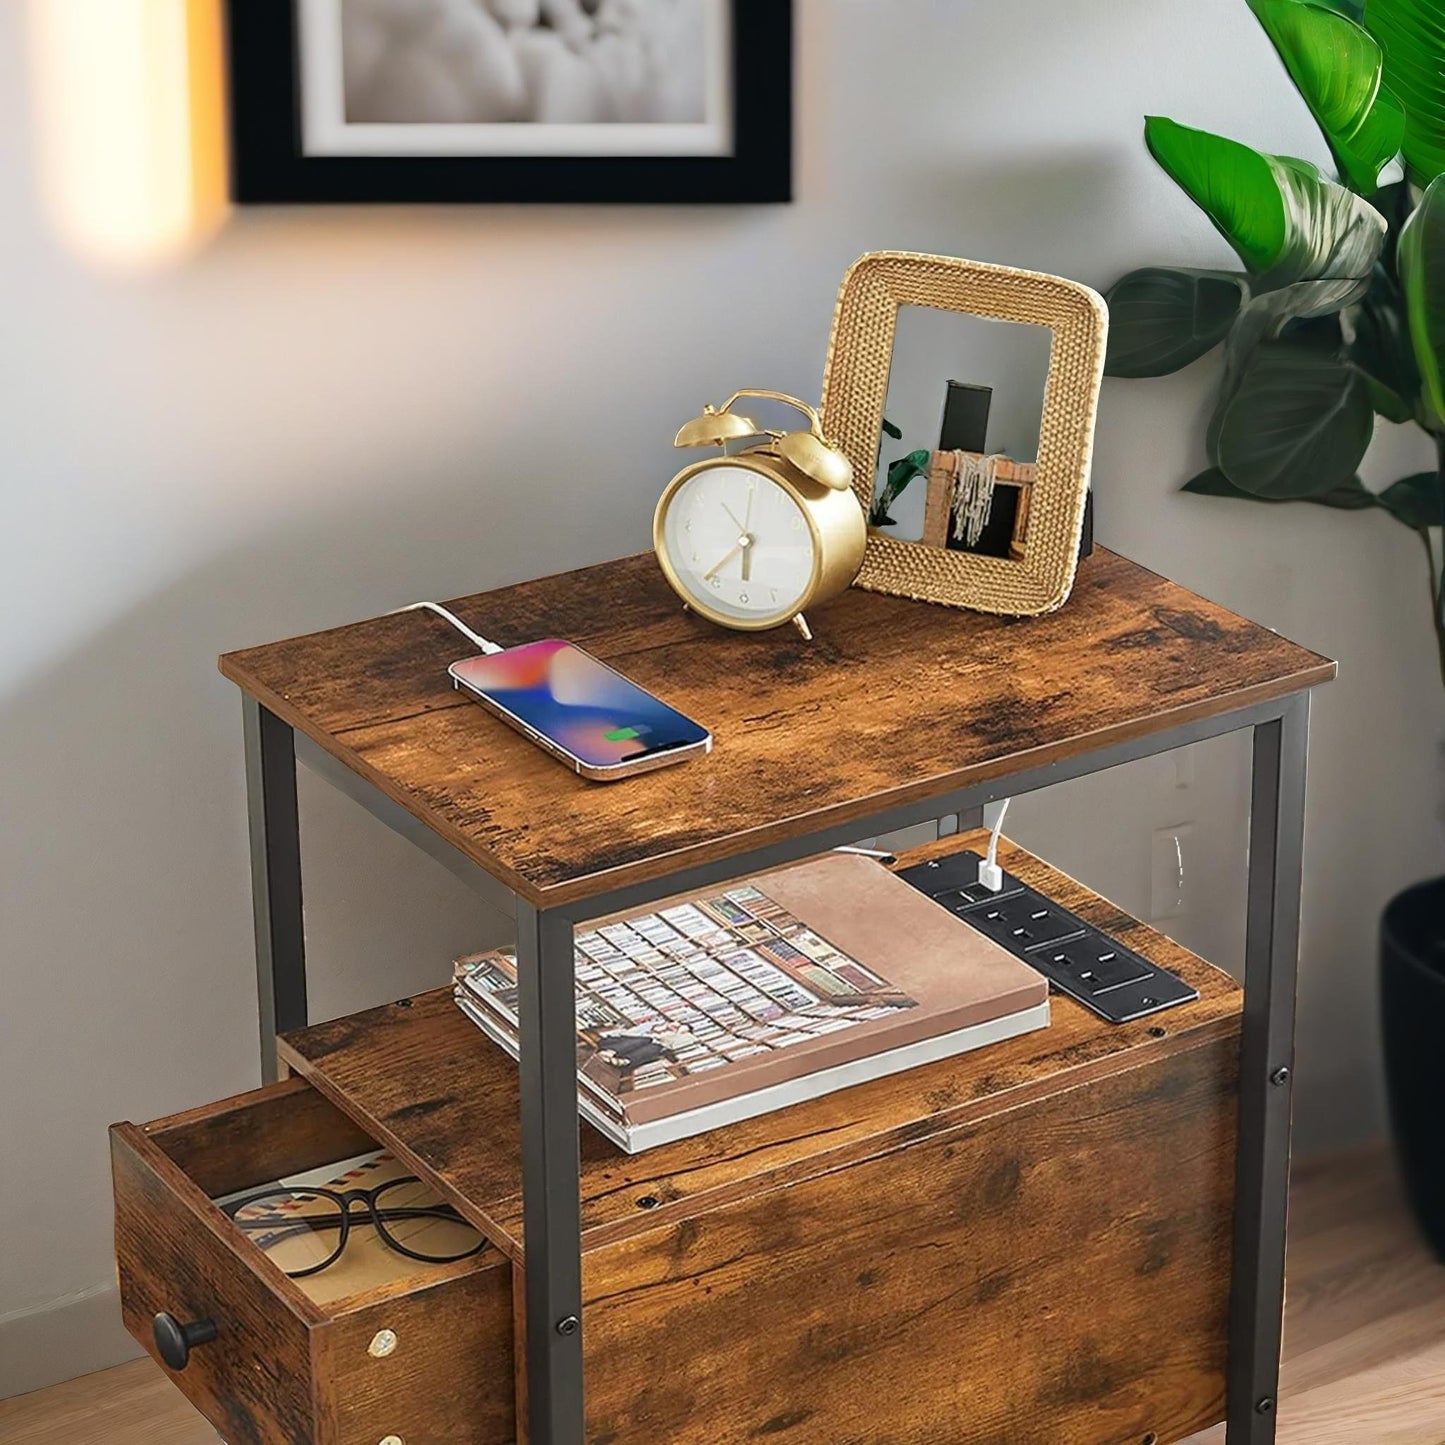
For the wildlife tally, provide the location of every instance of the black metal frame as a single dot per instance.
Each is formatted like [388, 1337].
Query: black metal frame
[269, 167]
[550, 1162]
[275, 878]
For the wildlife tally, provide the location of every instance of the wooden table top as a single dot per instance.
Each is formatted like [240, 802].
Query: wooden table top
[894, 702]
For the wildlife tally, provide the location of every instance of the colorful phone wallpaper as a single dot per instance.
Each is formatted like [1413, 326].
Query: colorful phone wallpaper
[570, 697]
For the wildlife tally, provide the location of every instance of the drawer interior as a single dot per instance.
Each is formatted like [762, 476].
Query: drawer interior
[274, 1161]
[375, 1344]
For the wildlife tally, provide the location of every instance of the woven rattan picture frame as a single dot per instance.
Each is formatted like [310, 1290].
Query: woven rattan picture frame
[855, 388]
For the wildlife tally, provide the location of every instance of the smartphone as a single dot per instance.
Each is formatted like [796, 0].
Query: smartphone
[578, 709]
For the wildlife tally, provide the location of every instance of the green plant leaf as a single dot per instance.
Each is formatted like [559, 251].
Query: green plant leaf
[1161, 319]
[1266, 317]
[1386, 403]
[1411, 33]
[1284, 220]
[900, 473]
[1319, 333]
[1336, 66]
[1232, 184]
[1298, 424]
[1349, 496]
[1417, 501]
[1382, 347]
[1421, 261]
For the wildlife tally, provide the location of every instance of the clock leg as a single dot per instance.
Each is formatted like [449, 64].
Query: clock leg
[801, 623]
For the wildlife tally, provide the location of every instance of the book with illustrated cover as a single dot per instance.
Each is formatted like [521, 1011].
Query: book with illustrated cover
[712, 1008]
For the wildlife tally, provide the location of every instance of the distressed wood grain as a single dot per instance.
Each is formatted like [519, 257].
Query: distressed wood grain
[175, 1254]
[284, 1369]
[258, 1136]
[1364, 1339]
[895, 702]
[1054, 1274]
[434, 1088]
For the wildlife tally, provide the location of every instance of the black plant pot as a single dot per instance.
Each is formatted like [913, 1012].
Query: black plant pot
[1412, 991]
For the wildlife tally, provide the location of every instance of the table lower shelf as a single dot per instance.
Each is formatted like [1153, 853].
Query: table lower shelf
[1031, 1242]
[422, 1078]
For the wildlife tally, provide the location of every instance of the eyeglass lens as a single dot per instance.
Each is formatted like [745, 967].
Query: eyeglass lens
[301, 1231]
[304, 1231]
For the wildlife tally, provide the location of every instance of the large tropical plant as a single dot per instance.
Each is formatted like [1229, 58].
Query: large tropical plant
[1339, 311]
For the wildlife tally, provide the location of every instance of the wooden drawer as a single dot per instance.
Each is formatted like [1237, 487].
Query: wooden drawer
[282, 1368]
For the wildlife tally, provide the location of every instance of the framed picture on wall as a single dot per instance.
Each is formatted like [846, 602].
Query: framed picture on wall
[510, 100]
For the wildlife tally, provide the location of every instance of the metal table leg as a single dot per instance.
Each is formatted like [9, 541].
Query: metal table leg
[551, 1181]
[550, 1146]
[275, 878]
[1276, 839]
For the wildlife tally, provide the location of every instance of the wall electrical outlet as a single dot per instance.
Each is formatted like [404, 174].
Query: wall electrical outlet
[1170, 884]
[1183, 767]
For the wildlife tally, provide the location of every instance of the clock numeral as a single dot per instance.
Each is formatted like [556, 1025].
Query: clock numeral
[773, 593]
[743, 597]
[716, 581]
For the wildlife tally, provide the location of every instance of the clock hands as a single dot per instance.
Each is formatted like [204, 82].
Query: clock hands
[744, 543]
[747, 532]
[741, 545]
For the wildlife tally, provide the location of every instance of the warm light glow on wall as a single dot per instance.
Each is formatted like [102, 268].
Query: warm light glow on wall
[130, 121]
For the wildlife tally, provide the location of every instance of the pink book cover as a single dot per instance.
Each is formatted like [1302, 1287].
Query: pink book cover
[714, 995]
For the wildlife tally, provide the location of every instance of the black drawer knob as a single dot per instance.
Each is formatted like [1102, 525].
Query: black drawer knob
[175, 1341]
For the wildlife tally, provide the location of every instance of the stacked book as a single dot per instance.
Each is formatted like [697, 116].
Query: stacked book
[717, 1007]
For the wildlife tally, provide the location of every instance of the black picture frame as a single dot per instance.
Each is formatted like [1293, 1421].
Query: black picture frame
[269, 167]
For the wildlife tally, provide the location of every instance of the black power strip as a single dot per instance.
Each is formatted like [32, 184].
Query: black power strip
[1113, 981]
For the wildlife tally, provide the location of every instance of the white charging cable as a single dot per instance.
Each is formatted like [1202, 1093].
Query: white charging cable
[989, 873]
[475, 638]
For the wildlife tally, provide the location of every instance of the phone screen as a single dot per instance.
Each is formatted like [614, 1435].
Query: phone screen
[567, 695]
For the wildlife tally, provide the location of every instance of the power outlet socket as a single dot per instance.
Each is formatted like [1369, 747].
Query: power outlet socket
[1078, 960]
[1171, 858]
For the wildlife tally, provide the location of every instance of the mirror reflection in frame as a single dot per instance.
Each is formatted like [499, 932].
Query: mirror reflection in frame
[965, 395]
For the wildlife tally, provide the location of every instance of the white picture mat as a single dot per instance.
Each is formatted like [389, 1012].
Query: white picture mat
[325, 131]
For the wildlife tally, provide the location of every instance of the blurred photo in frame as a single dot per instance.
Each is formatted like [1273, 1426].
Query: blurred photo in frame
[510, 100]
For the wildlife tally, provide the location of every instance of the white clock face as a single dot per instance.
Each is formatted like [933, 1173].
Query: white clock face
[739, 544]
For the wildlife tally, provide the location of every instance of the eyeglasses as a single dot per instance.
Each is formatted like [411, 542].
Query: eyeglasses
[306, 1230]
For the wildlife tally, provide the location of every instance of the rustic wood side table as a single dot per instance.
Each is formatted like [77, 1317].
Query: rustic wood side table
[898, 713]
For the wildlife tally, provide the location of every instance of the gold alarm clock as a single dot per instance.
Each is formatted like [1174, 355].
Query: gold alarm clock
[752, 539]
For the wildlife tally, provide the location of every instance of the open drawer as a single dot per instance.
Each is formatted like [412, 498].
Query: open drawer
[417, 1355]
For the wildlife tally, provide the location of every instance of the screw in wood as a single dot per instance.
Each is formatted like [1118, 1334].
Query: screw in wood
[383, 1343]
[648, 1201]
[392, 1440]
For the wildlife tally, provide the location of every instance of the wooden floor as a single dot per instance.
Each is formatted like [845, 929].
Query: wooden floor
[1364, 1340]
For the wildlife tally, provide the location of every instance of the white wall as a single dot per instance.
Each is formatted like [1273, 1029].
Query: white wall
[330, 414]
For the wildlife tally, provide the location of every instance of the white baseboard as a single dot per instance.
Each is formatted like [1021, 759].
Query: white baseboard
[59, 1341]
